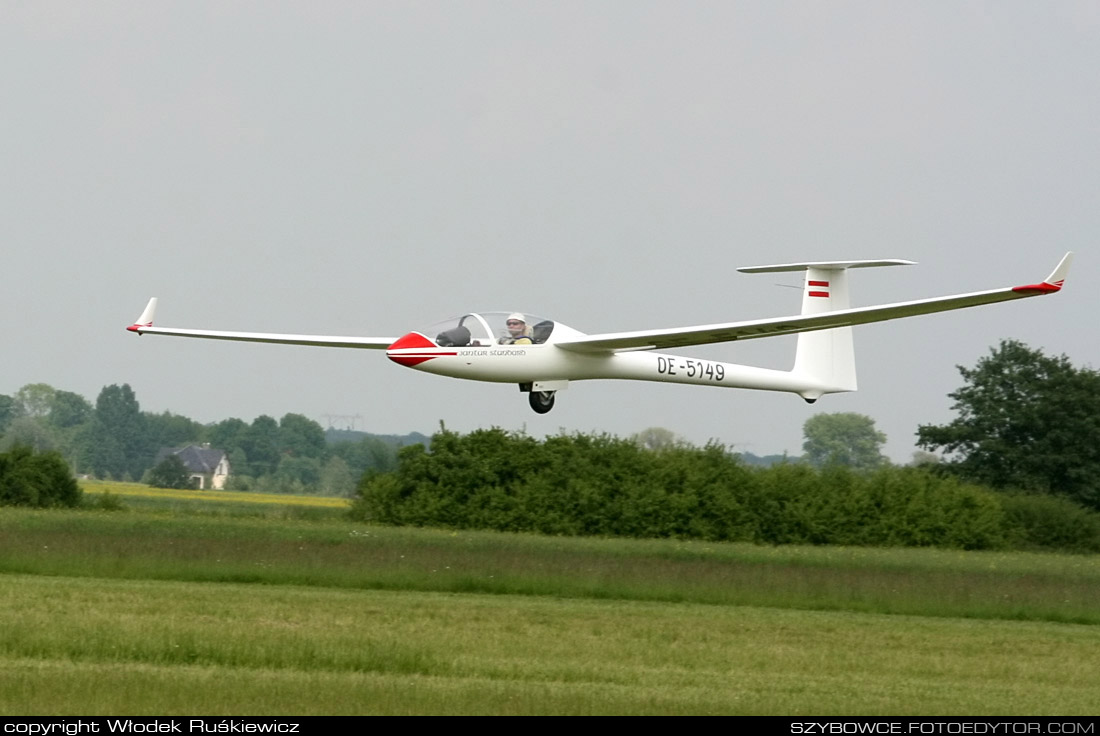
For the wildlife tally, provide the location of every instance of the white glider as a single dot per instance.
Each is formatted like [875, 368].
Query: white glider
[543, 356]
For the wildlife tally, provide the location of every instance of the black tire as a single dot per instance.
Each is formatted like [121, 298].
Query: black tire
[541, 401]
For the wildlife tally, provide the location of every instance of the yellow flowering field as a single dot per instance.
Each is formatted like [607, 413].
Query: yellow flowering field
[144, 491]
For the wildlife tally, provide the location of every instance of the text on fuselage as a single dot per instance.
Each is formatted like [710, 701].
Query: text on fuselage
[702, 369]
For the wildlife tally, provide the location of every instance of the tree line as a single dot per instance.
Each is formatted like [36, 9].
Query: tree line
[114, 439]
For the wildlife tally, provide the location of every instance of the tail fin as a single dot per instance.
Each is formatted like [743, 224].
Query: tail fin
[825, 358]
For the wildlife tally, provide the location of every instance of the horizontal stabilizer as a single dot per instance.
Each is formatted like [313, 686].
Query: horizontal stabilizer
[825, 265]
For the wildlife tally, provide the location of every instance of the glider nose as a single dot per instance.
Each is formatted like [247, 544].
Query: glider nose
[411, 349]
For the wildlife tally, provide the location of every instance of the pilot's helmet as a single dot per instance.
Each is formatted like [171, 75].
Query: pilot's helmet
[516, 317]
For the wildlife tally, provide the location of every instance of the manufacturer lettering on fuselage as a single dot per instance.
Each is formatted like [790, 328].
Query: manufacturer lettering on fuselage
[493, 353]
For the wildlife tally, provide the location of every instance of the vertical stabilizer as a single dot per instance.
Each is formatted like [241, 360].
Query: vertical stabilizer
[825, 359]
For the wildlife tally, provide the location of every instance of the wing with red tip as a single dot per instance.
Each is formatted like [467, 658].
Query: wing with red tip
[730, 331]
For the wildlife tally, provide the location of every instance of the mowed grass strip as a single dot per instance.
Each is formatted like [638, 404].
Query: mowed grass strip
[1063, 588]
[99, 646]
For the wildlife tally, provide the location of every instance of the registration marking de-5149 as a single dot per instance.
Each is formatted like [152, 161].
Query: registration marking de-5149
[702, 369]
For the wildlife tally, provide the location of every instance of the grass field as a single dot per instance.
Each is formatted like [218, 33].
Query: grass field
[154, 610]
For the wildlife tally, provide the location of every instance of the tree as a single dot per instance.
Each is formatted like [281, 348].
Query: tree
[170, 473]
[657, 438]
[9, 410]
[260, 443]
[68, 410]
[843, 439]
[36, 479]
[69, 421]
[301, 437]
[336, 478]
[369, 453]
[1027, 421]
[296, 473]
[171, 430]
[35, 399]
[28, 432]
[923, 458]
[227, 434]
[119, 446]
[238, 463]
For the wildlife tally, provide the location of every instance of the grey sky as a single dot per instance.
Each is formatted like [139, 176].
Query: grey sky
[371, 167]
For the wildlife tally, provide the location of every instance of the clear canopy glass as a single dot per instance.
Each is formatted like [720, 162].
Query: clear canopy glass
[490, 328]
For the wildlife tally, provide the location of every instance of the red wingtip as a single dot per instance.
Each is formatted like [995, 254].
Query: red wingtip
[1043, 288]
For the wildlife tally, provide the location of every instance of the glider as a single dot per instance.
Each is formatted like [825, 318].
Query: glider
[542, 356]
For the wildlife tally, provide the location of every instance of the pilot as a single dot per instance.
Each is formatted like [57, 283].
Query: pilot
[518, 331]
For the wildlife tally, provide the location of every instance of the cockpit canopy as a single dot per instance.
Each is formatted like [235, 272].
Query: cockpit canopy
[487, 328]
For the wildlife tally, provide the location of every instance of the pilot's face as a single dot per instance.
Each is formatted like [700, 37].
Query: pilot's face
[515, 327]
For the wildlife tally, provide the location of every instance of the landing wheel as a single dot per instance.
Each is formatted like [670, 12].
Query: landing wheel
[541, 401]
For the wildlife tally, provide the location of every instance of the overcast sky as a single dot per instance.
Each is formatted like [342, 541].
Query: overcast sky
[366, 168]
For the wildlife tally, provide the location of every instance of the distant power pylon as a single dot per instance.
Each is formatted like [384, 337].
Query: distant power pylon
[349, 421]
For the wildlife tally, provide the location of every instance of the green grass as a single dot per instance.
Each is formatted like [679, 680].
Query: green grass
[1010, 586]
[165, 647]
[182, 606]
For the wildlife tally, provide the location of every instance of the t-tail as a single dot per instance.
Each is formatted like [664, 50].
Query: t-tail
[825, 359]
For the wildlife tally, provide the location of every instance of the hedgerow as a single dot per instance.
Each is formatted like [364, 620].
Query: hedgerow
[599, 485]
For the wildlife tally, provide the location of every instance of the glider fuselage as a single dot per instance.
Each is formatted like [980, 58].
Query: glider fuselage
[549, 363]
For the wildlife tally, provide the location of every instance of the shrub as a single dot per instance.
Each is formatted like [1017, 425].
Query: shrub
[105, 501]
[170, 473]
[36, 479]
[1041, 521]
